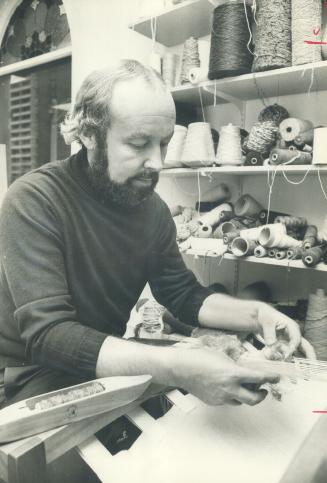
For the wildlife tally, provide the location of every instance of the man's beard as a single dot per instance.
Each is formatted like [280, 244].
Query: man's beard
[123, 194]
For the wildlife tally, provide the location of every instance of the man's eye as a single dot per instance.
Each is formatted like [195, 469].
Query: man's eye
[137, 145]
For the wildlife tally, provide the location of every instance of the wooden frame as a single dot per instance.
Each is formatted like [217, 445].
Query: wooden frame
[25, 461]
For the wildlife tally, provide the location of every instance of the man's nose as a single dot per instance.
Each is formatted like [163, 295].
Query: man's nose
[154, 160]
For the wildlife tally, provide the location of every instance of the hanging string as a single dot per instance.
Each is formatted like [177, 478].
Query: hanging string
[153, 25]
[249, 28]
[321, 185]
[297, 182]
[199, 192]
[201, 101]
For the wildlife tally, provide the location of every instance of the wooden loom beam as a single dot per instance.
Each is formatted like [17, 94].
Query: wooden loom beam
[38, 451]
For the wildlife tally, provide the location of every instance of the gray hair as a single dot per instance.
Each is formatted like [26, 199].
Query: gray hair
[91, 111]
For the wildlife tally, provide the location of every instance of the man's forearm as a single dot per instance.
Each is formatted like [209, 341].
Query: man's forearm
[121, 357]
[220, 311]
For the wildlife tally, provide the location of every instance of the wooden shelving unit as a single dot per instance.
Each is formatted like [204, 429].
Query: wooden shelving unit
[273, 83]
[321, 267]
[244, 170]
[174, 25]
[194, 17]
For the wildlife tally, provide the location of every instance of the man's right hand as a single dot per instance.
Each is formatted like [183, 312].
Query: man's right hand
[215, 378]
[210, 375]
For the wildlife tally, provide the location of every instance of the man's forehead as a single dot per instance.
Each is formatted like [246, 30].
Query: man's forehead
[137, 97]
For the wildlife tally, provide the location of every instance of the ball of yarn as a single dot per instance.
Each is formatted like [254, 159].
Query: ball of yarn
[273, 39]
[262, 137]
[190, 59]
[306, 18]
[229, 53]
[274, 113]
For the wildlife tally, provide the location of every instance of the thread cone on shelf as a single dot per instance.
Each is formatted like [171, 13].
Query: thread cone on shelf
[198, 148]
[175, 148]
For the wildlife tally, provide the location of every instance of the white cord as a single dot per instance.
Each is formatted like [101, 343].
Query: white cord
[321, 185]
[249, 28]
[199, 191]
[202, 108]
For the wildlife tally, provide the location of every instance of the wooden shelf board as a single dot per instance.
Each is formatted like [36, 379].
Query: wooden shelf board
[321, 267]
[176, 24]
[279, 82]
[242, 170]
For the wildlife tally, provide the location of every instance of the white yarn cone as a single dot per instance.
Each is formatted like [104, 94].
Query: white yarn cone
[198, 148]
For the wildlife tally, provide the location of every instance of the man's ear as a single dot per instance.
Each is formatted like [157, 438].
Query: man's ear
[88, 141]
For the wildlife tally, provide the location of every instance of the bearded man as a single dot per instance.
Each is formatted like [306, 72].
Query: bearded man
[80, 238]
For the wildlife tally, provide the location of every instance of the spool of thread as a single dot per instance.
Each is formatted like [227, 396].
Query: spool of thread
[198, 148]
[310, 237]
[155, 61]
[231, 226]
[272, 252]
[213, 217]
[205, 206]
[292, 127]
[254, 158]
[246, 205]
[175, 148]
[170, 63]
[313, 256]
[229, 237]
[270, 217]
[241, 247]
[315, 327]
[190, 58]
[281, 254]
[229, 54]
[218, 193]
[292, 222]
[262, 137]
[251, 233]
[197, 75]
[229, 151]
[226, 216]
[260, 251]
[306, 17]
[273, 43]
[305, 138]
[256, 291]
[282, 156]
[274, 113]
[294, 253]
[320, 146]
[307, 149]
[204, 54]
[275, 236]
[204, 231]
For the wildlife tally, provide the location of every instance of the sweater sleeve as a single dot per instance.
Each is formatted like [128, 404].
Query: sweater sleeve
[34, 278]
[172, 283]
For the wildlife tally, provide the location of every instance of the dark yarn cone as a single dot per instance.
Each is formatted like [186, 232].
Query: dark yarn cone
[229, 54]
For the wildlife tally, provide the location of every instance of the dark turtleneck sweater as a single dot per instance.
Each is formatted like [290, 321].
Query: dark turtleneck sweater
[73, 267]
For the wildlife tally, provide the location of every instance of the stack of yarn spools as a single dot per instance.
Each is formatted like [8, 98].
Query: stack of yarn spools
[286, 33]
[246, 228]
